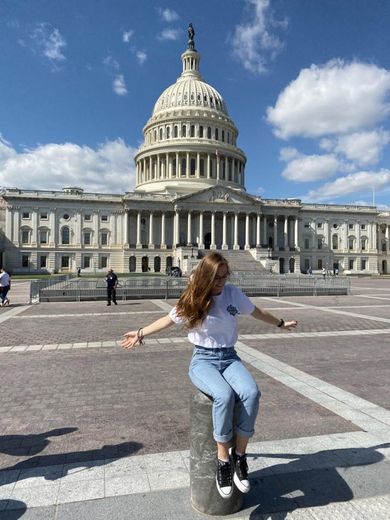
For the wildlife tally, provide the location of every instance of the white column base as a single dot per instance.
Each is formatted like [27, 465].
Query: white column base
[163, 246]
[225, 247]
[138, 246]
[201, 246]
[151, 246]
[247, 246]
[236, 247]
[213, 246]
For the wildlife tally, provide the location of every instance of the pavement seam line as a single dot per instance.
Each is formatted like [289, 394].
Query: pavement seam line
[13, 312]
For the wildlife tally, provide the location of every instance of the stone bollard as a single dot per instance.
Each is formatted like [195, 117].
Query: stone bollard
[203, 462]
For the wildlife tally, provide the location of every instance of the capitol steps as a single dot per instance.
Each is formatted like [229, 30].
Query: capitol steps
[242, 261]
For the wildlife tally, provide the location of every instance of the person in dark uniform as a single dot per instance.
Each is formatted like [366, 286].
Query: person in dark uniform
[112, 283]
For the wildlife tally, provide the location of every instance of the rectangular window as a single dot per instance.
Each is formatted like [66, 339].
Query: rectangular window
[25, 214]
[87, 238]
[350, 264]
[87, 218]
[104, 239]
[307, 264]
[363, 226]
[104, 218]
[103, 262]
[25, 260]
[43, 215]
[86, 262]
[307, 243]
[307, 225]
[43, 237]
[351, 226]
[43, 261]
[363, 264]
[320, 244]
[319, 225]
[65, 262]
[25, 236]
[319, 263]
[350, 244]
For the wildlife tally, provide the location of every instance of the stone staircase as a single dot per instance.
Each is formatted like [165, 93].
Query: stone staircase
[241, 260]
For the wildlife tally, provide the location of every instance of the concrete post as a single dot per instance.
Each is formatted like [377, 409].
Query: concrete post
[203, 462]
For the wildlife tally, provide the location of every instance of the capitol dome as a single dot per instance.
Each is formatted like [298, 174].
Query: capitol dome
[189, 140]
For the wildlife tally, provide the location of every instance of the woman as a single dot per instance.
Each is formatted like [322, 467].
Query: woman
[209, 309]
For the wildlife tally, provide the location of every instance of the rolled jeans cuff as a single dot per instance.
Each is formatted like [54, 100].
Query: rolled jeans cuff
[243, 433]
[223, 438]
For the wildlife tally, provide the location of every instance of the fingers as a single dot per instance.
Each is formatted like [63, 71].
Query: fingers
[290, 325]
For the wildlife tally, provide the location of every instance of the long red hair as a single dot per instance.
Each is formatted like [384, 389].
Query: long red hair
[195, 302]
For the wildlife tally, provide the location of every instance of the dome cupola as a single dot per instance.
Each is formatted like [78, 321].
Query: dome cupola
[189, 140]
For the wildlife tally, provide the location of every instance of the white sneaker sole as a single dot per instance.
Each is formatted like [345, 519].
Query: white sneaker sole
[222, 494]
[239, 484]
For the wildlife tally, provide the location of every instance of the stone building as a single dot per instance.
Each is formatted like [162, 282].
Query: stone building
[189, 196]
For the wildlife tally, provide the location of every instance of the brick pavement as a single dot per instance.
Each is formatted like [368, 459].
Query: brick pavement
[94, 403]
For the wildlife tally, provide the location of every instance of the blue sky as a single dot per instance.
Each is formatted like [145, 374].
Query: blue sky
[307, 83]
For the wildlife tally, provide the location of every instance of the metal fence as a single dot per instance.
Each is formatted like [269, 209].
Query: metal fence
[252, 284]
[37, 285]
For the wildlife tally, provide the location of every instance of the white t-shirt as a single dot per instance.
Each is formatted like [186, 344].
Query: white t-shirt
[219, 328]
[4, 279]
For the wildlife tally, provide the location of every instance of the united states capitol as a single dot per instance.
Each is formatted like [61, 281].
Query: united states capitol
[189, 197]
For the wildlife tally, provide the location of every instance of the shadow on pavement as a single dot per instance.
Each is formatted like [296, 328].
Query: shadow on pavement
[51, 466]
[308, 480]
[18, 509]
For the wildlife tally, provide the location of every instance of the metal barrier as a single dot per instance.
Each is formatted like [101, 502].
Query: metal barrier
[79, 289]
[37, 285]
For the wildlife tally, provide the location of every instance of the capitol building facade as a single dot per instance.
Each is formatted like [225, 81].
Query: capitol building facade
[189, 197]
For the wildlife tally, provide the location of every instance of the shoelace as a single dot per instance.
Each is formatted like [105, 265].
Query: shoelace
[241, 467]
[225, 474]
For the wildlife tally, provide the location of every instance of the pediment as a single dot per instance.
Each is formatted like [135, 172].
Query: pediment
[217, 195]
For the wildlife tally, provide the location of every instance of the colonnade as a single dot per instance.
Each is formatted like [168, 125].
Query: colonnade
[235, 230]
[190, 165]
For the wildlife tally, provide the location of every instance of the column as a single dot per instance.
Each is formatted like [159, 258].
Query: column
[189, 238]
[16, 226]
[151, 239]
[358, 244]
[374, 236]
[188, 165]
[326, 233]
[275, 233]
[113, 239]
[258, 238]
[226, 168]
[176, 229]
[178, 165]
[53, 230]
[201, 244]
[218, 165]
[224, 244]
[8, 222]
[95, 238]
[158, 172]
[235, 244]
[212, 245]
[34, 225]
[198, 165]
[208, 166]
[296, 237]
[387, 238]
[265, 239]
[150, 169]
[286, 233]
[346, 245]
[79, 240]
[163, 244]
[247, 244]
[138, 244]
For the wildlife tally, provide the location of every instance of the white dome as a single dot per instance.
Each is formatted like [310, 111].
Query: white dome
[190, 92]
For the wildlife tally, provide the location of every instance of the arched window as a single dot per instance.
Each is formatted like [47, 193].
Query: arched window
[192, 131]
[364, 243]
[209, 132]
[183, 167]
[201, 131]
[132, 264]
[161, 134]
[192, 166]
[157, 264]
[168, 132]
[216, 134]
[65, 235]
[184, 131]
[175, 131]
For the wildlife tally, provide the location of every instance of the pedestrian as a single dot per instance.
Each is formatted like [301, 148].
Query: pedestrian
[209, 309]
[78, 272]
[112, 284]
[324, 272]
[5, 286]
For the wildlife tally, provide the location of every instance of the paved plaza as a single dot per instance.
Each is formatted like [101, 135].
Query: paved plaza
[89, 431]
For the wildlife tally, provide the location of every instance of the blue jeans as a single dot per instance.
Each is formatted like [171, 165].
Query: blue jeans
[219, 373]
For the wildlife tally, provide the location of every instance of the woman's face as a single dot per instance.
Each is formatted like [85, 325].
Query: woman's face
[220, 280]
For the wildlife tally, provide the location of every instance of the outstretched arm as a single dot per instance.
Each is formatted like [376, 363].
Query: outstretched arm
[263, 315]
[131, 338]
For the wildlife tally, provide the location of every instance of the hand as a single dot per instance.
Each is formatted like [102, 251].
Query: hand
[129, 340]
[290, 325]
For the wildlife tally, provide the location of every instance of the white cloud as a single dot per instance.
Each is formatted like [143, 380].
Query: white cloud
[308, 168]
[168, 15]
[335, 98]
[253, 43]
[119, 85]
[169, 34]
[108, 168]
[126, 35]
[48, 42]
[358, 182]
[141, 57]
[111, 63]
[363, 148]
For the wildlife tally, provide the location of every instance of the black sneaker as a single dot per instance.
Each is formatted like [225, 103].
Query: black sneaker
[224, 479]
[240, 471]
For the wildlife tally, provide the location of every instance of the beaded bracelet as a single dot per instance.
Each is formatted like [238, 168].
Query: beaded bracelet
[140, 336]
[281, 323]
